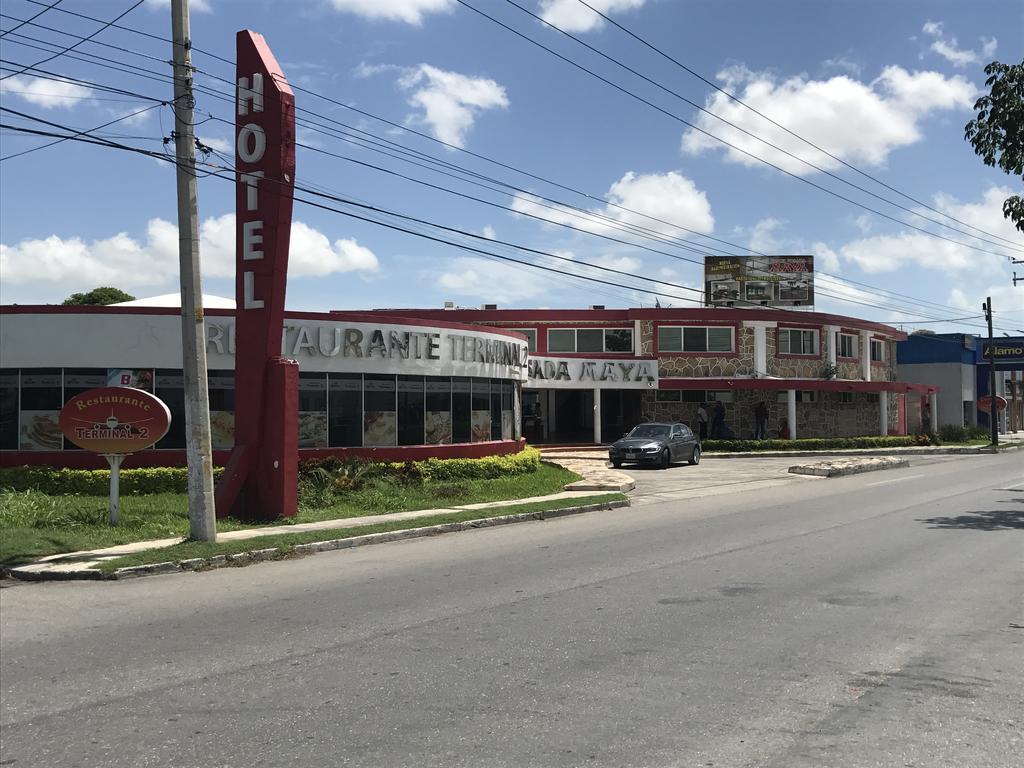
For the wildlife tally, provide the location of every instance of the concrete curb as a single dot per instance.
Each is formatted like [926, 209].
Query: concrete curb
[272, 553]
[843, 467]
[930, 450]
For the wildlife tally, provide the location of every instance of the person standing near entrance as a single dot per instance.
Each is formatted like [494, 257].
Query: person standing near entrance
[718, 419]
[702, 421]
[760, 421]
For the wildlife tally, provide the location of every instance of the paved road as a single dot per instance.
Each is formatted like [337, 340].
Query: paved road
[873, 620]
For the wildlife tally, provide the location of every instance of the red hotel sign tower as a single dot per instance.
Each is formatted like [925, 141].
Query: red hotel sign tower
[260, 480]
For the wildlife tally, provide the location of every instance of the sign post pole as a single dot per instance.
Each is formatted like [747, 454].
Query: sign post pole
[114, 460]
[198, 444]
[987, 306]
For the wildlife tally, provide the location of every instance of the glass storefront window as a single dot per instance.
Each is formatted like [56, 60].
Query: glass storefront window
[345, 409]
[410, 410]
[507, 412]
[495, 409]
[221, 388]
[380, 425]
[481, 414]
[438, 416]
[170, 387]
[462, 409]
[312, 410]
[8, 409]
[41, 401]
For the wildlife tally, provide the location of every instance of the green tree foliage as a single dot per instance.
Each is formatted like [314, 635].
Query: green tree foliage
[98, 297]
[997, 133]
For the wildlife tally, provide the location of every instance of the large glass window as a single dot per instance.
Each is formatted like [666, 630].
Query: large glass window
[380, 426]
[410, 410]
[345, 409]
[438, 416]
[847, 345]
[590, 340]
[795, 341]
[221, 386]
[495, 409]
[877, 351]
[507, 412]
[170, 387]
[41, 401]
[462, 419]
[312, 410]
[695, 339]
[481, 410]
[9, 409]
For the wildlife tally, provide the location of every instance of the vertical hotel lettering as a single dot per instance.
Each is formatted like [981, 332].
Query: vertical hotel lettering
[251, 147]
[259, 480]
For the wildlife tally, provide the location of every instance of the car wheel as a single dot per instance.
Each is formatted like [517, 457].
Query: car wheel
[695, 457]
[666, 459]
[617, 464]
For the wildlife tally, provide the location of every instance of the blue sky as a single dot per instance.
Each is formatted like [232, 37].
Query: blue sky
[886, 87]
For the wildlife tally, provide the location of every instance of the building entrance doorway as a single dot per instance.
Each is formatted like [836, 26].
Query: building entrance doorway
[568, 415]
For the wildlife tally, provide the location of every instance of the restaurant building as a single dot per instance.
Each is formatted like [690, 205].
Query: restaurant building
[411, 383]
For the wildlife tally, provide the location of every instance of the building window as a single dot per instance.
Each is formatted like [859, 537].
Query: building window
[668, 396]
[438, 418]
[802, 396]
[872, 397]
[170, 387]
[877, 351]
[462, 420]
[695, 339]
[847, 345]
[345, 409]
[722, 396]
[221, 388]
[846, 397]
[9, 409]
[687, 396]
[481, 414]
[594, 340]
[795, 341]
[531, 337]
[380, 424]
[41, 401]
[410, 410]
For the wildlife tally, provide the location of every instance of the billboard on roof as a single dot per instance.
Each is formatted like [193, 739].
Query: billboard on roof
[755, 281]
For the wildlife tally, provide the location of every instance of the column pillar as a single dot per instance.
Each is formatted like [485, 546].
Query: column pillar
[552, 425]
[865, 355]
[831, 339]
[637, 343]
[933, 401]
[791, 412]
[597, 416]
[883, 413]
[760, 329]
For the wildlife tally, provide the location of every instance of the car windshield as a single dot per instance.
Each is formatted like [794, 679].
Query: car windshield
[649, 430]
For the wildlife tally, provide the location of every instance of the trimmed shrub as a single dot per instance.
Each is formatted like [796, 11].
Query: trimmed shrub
[96, 482]
[814, 443]
[430, 470]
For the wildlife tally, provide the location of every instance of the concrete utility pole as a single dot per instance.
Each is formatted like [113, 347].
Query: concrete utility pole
[198, 449]
[992, 411]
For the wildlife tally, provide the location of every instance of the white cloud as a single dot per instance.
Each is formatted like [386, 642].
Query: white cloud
[409, 11]
[72, 263]
[48, 94]
[450, 101]
[488, 232]
[949, 49]
[573, 16]
[669, 197]
[844, 64]
[825, 258]
[858, 122]
[199, 6]
[888, 253]
[763, 239]
[492, 282]
[218, 143]
[363, 70]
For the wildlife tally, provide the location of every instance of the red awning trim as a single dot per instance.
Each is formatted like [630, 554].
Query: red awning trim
[814, 385]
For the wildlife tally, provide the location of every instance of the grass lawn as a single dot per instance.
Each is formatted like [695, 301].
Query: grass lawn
[285, 541]
[34, 524]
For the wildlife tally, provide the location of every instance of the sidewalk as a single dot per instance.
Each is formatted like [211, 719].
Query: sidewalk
[68, 565]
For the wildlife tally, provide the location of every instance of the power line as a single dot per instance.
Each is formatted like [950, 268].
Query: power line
[679, 119]
[70, 48]
[49, 7]
[810, 143]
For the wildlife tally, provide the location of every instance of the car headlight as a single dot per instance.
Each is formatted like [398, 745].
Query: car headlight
[651, 449]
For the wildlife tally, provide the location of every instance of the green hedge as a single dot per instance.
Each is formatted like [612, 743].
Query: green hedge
[96, 482]
[443, 470]
[817, 444]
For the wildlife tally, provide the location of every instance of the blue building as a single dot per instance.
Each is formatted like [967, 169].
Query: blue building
[958, 364]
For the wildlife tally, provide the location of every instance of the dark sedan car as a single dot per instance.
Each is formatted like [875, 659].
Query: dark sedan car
[656, 443]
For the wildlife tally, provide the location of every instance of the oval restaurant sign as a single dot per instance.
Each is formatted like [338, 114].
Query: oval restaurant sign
[114, 420]
[985, 403]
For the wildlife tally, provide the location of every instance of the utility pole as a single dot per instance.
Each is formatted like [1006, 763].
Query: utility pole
[992, 410]
[198, 449]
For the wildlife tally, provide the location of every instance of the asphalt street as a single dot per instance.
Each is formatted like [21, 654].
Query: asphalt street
[873, 620]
